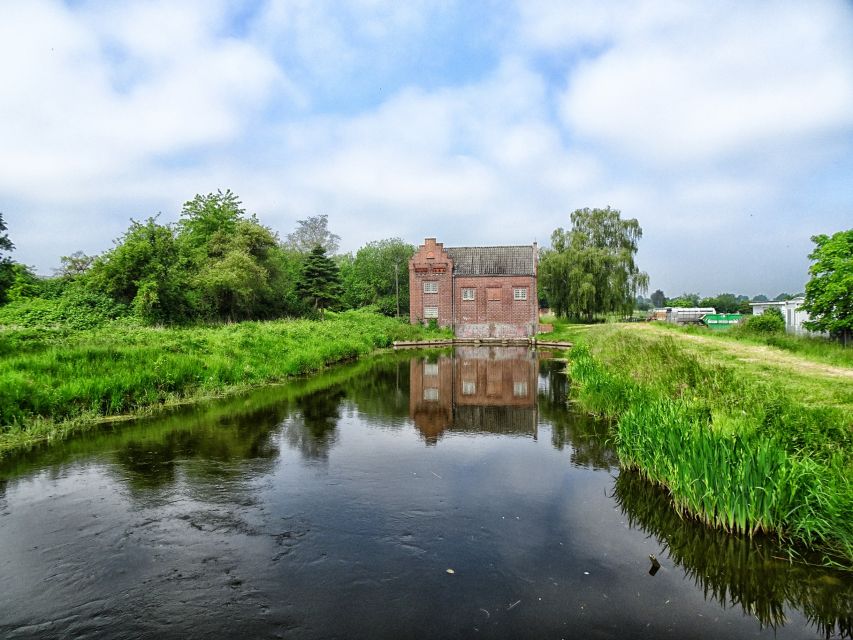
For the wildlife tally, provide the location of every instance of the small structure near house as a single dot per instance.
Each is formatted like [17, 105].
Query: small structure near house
[791, 310]
[681, 315]
[721, 321]
[479, 292]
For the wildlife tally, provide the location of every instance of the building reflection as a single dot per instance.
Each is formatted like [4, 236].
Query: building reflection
[475, 389]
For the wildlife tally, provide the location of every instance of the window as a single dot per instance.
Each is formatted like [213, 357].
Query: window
[519, 389]
[430, 368]
[430, 312]
[493, 294]
[469, 387]
[519, 293]
[430, 393]
[430, 286]
[467, 294]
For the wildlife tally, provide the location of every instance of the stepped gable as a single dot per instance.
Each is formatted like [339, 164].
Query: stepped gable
[493, 261]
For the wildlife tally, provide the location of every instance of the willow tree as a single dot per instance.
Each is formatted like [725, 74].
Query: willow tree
[590, 269]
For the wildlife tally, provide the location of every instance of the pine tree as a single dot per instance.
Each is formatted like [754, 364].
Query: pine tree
[320, 281]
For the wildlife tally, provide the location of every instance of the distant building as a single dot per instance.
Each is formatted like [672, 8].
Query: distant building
[791, 310]
[681, 315]
[480, 292]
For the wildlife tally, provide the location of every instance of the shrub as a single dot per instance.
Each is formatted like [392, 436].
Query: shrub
[771, 321]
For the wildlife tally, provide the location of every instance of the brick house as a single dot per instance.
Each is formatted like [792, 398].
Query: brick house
[480, 292]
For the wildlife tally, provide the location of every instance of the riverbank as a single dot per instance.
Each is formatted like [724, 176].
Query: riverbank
[57, 382]
[745, 438]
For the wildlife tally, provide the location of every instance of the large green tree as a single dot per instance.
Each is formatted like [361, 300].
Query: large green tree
[146, 271]
[829, 292]
[320, 281]
[590, 269]
[378, 275]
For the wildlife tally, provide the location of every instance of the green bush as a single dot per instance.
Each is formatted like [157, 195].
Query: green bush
[771, 321]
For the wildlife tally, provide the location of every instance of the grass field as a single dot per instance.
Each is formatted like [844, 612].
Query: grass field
[746, 437]
[54, 382]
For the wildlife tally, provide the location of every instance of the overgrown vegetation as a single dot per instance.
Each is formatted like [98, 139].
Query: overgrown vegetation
[737, 446]
[51, 377]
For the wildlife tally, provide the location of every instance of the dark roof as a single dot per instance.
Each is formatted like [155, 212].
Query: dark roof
[493, 261]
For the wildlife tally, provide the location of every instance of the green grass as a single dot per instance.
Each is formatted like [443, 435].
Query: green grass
[737, 444]
[60, 380]
[814, 348]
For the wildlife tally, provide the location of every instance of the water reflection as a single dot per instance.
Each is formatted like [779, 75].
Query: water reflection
[475, 389]
[740, 572]
[312, 429]
[244, 497]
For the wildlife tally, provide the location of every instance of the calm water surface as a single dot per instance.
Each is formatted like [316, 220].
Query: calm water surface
[450, 495]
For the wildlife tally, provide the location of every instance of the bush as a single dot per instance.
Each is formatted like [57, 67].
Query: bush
[771, 321]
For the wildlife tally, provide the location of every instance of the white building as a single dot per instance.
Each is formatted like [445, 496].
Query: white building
[791, 310]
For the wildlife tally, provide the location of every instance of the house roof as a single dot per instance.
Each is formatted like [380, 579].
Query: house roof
[493, 261]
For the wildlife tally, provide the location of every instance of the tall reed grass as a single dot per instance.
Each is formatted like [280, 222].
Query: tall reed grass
[734, 451]
[50, 377]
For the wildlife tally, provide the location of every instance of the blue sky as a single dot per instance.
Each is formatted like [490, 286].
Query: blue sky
[725, 128]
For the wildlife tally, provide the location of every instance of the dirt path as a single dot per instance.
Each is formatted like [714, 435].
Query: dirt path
[758, 354]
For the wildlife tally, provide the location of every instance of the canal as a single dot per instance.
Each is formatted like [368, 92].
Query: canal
[417, 495]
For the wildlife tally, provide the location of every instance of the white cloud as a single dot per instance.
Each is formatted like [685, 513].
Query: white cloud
[69, 123]
[696, 82]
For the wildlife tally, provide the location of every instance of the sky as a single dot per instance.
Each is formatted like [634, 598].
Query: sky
[725, 128]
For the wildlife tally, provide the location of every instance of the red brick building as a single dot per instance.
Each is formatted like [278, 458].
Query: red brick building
[480, 292]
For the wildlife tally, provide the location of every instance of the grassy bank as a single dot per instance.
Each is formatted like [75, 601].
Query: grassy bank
[53, 382]
[740, 444]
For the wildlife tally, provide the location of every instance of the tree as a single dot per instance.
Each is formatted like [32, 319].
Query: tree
[145, 271]
[658, 299]
[74, 265]
[590, 269]
[312, 232]
[319, 283]
[782, 297]
[829, 292]
[379, 276]
[760, 298]
[204, 219]
[7, 270]
[685, 300]
[723, 303]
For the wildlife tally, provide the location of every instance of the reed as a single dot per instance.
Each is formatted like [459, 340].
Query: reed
[734, 450]
[48, 379]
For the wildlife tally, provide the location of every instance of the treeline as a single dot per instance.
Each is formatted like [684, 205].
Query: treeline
[216, 264]
[723, 302]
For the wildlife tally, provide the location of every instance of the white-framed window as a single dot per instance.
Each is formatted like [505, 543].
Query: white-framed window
[468, 293]
[469, 387]
[519, 293]
[430, 286]
[430, 368]
[519, 389]
[430, 312]
[430, 393]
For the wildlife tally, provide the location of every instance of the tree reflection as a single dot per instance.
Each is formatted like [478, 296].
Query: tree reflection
[738, 571]
[586, 435]
[312, 428]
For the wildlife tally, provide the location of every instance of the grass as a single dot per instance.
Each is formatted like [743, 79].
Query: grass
[815, 348]
[59, 381]
[739, 445]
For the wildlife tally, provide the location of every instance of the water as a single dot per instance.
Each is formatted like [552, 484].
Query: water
[338, 506]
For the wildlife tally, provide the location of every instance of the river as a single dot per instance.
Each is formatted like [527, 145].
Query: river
[415, 495]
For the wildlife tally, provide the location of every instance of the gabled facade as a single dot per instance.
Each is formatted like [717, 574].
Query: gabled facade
[480, 292]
